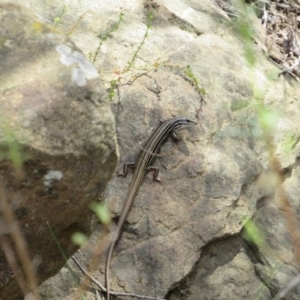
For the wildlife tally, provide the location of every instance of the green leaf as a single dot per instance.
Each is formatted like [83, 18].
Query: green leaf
[102, 212]
[252, 233]
[79, 238]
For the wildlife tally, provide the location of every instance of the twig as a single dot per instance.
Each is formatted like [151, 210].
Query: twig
[287, 209]
[161, 154]
[154, 154]
[82, 268]
[265, 18]
[76, 24]
[103, 289]
[284, 70]
[288, 288]
[97, 249]
[98, 297]
[20, 244]
[15, 269]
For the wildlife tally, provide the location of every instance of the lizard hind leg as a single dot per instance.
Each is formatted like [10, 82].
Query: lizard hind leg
[125, 169]
[155, 171]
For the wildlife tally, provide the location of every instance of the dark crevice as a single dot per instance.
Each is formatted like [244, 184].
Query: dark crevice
[211, 258]
[264, 201]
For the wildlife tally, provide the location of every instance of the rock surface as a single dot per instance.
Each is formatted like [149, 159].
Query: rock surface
[57, 141]
[232, 257]
[185, 239]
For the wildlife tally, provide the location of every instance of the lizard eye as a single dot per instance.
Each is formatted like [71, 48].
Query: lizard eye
[189, 122]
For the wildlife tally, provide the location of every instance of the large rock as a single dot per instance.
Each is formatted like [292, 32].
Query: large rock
[57, 141]
[185, 238]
